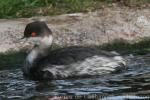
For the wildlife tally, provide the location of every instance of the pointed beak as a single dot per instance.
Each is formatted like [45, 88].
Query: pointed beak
[22, 39]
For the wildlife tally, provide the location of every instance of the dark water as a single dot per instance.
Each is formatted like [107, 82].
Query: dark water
[132, 83]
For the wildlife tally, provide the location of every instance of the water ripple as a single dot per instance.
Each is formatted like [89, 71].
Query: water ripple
[135, 80]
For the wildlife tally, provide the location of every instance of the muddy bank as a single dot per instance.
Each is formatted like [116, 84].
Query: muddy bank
[93, 28]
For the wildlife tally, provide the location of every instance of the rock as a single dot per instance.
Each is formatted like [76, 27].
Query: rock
[93, 28]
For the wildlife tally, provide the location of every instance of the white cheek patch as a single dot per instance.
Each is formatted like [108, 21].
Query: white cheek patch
[47, 40]
[42, 43]
[35, 40]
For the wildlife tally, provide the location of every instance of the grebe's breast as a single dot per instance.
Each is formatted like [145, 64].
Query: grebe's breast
[79, 62]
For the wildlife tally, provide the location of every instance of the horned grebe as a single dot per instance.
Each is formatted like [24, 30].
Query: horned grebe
[42, 63]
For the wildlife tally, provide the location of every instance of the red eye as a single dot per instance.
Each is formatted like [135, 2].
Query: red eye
[33, 34]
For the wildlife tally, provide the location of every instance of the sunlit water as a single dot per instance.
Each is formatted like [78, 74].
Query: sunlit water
[132, 83]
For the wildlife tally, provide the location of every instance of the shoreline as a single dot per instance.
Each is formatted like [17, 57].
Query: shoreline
[93, 28]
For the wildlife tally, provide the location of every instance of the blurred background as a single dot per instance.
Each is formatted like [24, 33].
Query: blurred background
[28, 8]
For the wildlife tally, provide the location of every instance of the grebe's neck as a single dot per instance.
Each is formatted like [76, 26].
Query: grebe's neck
[41, 50]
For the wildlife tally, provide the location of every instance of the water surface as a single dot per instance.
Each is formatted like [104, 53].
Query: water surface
[132, 83]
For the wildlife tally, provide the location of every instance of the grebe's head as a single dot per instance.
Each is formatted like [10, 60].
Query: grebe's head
[38, 33]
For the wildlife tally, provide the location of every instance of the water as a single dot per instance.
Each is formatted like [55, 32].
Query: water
[132, 83]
